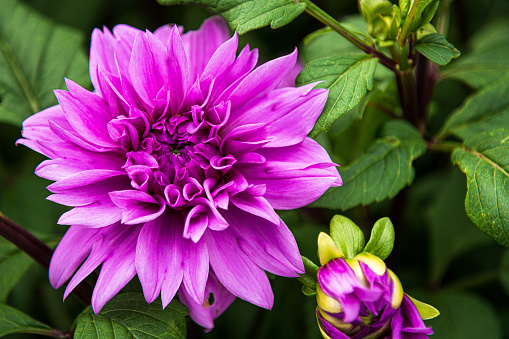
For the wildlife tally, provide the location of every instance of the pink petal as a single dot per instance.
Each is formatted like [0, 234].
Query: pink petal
[236, 271]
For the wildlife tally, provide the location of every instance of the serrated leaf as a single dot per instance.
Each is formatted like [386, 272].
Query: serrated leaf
[347, 77]
[381, 241]
[436, 48]
[487, 62]
[12, 268]
[35, 55]
[485, 161]
[15, 321]
[483, 111]
[246, 15]
[347, 236]
[383, 171]
[128, 315]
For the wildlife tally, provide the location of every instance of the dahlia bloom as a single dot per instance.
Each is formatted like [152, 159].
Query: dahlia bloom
[360, 298]
[174, 165]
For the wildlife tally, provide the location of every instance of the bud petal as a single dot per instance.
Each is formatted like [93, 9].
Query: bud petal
[327, 303]
[327, 249]
[397, 290]
[376, 264]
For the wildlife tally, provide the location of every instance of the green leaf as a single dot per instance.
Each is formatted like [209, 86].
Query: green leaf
[487, 61]
[436, 48]
[128, 315]
[381, 241]
[425, 11]
[485, 161]
[309, 266]
[383, 171]
[246, 15]
[425, 311]
[35, 55]
[464, 315]
[347, 236]
[15, 321]
[347, 77]
[483, 111]
[12, 268]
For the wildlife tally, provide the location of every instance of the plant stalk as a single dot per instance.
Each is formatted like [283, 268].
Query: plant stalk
[39, 252]
[329, 21]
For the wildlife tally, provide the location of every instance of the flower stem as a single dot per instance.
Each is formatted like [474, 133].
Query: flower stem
[405, 30]
[446, 146]
[329, 21]
[38, 251]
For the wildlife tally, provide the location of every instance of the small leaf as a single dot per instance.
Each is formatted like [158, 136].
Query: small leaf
[425, 311]
[484, 159]
[483, 111]
[347, 77]
[35, 55]
[15, 321]
[382, 239]
[128, 315]
[310, 267]
[246, 15]
[436, 48]
[347, 235]
[383, 171]
[12, 268]
[308, 291]
[425, 11]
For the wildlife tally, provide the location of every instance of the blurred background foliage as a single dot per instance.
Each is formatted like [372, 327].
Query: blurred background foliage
[439, 255]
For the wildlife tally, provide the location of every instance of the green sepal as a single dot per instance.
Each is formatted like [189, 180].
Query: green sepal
[425, 311]
[347, 236]
[308, 291]
[309, 266]
[381, 241]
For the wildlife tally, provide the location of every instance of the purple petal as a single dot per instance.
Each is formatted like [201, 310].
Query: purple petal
[262, 80]
[137, 206]
[117, 270]
[217, 300]
[102, 212]
[74, 247]
[178, 70]
[296, 107]
[147, 67]
[196, 268]
[236, 271]
[270, 246]
[293, 177]
[200, 45]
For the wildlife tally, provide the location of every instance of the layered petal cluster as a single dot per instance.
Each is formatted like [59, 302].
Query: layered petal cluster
[174, 165]
[360, 298]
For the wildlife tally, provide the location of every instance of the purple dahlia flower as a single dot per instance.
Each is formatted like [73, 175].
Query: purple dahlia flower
[360, 298]
[174, 166]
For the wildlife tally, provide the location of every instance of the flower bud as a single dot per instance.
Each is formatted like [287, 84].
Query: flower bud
[361, 298]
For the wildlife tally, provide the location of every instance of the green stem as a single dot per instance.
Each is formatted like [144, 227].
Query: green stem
[403, 35]
[329, 21]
